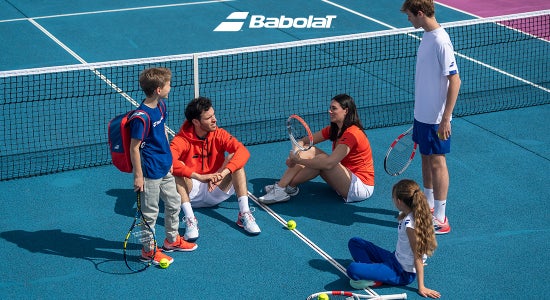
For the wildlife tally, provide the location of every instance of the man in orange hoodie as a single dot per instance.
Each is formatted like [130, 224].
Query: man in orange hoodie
[205, 176]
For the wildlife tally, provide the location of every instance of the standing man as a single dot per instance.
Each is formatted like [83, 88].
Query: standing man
[436, 90]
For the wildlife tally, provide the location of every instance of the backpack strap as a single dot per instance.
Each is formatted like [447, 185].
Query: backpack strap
[144, 117]
[162, 107]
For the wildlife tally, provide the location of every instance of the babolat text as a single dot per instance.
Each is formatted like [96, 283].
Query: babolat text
[259, 21]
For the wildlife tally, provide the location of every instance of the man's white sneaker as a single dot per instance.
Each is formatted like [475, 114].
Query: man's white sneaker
[191, 229]
[248, 223]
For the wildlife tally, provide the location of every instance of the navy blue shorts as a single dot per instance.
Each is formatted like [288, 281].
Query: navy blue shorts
[425, 135]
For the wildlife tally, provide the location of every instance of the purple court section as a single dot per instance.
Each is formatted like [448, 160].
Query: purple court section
[497, 7]
[541, 29]
[505, 7]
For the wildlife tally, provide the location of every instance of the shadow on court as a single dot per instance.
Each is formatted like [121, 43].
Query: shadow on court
[125, 203]
[71, 245]
[317, 200]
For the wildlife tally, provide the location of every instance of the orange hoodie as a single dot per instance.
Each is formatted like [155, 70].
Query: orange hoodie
[205, 156]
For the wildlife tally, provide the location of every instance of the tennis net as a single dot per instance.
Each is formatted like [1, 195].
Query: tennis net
[55, 119]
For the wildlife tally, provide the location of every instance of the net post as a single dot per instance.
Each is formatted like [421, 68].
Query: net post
[196, 74]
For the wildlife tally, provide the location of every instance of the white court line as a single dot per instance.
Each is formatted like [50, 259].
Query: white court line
[301, 236]
[459, 10]
[115, 10]
[298, 233]
[82, 61]
[458, 54]
[359, 14]
[56, 40]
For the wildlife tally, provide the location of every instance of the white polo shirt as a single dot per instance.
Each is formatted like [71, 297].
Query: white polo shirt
[435, 61]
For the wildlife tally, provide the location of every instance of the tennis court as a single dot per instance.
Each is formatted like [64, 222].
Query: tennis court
[66, 210]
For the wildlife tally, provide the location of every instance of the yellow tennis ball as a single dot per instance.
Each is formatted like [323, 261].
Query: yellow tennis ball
[323, 296]
[164, 263]
[291, 224]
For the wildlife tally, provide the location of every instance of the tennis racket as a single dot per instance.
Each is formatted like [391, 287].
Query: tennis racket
[297, 131]
[350, 296]
[140, 236]
[400, 154]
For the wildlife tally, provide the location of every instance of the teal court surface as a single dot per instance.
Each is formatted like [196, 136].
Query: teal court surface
[66, 210]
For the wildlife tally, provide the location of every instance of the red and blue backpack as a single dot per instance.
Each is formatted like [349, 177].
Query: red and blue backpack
[119, 136]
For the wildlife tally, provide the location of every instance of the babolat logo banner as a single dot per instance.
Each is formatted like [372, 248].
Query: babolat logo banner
[235, 22]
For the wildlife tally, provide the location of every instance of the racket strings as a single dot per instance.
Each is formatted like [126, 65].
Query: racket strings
[399, 157]
[140, 239]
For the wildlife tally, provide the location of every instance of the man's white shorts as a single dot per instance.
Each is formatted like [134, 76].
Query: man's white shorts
[201, 197]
